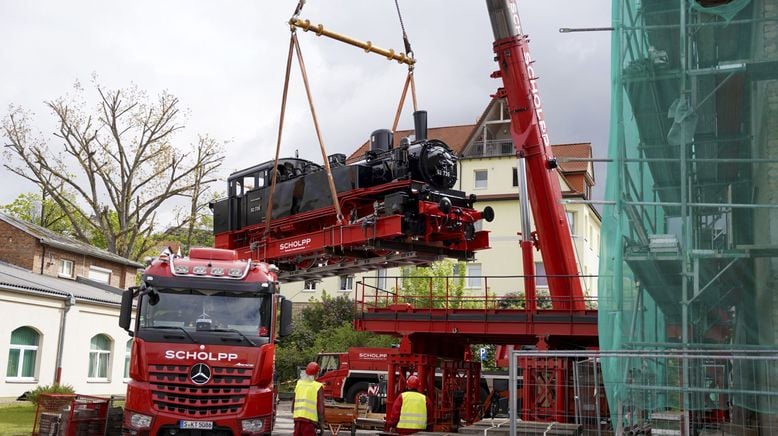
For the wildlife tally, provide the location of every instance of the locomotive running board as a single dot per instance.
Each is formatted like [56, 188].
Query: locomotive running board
[409, 258]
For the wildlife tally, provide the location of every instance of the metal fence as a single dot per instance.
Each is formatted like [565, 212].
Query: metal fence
[667, 392]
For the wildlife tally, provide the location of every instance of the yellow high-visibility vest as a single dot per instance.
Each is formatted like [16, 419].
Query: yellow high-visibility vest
[306, 394]
[413, 414]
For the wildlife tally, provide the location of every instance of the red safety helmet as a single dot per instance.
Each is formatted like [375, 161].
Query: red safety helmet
[312, 368]
[412, 382]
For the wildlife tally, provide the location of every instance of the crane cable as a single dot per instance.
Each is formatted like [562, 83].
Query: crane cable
[294, 47]
[409, 79]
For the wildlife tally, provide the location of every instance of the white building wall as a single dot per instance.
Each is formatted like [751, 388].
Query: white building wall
[41, 314]
[84, 320]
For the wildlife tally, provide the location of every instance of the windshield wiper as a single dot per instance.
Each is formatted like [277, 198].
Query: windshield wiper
[170, 327]
[238, 332]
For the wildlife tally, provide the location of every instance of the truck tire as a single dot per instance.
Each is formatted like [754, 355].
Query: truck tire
[357, 392]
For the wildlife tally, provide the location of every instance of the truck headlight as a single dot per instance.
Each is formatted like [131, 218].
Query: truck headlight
[140, 421]
[254, 425]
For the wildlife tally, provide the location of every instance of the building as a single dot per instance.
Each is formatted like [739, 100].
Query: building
[40, 250]
[60, 329]
[487, 168]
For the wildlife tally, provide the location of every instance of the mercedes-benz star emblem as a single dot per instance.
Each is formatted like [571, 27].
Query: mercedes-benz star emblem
[200, 373]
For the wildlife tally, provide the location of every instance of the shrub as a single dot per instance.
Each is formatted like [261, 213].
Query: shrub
[50, 389]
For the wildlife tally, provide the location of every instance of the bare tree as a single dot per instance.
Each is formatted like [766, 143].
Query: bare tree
[119, 162]
[199, 198]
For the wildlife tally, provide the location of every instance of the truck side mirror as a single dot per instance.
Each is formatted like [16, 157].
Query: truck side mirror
[285, 329]
[125, 314]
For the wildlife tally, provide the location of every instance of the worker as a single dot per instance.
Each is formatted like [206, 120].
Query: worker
[308, 411]
[411, 411]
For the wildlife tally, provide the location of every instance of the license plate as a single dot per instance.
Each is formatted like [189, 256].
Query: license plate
[196, 425]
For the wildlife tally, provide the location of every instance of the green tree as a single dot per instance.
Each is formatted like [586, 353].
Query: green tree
[111, 168]
[441, 279]
[328, 312]
[29, 207]
[323, 325]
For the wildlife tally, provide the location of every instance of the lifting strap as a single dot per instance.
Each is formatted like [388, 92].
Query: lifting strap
[269, 210]
[330, 181]
[294, 47]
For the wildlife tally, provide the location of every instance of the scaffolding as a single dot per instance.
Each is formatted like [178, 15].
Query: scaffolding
[689, 256]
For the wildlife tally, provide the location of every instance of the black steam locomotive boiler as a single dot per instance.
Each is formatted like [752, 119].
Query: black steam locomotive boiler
[393, 198]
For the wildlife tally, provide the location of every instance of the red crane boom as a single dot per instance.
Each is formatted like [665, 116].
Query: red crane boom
[530, 137]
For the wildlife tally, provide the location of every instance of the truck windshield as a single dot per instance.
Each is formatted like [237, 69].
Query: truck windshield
[197, 311]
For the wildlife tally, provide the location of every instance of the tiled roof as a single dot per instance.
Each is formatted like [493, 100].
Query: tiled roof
[579, 150]
[455, 136]
[24, 281]
[53, 239]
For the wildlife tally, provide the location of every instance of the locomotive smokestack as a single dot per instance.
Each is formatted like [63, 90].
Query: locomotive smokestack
[420, 125]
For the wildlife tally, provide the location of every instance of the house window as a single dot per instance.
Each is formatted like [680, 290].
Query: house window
[310, 285]
[98, 274]
[99, 357]
[474, 275]
[507, 148]
[540, 275]
[515, 177]
[22, 354]
[346, 283]
[127, 352]
[481, 179]
[381, 279]
[65, 268]
[571, 221]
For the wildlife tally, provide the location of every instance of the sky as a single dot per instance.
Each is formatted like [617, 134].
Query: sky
[225, 61]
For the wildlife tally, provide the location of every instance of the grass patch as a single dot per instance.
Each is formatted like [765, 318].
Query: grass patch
[16, 418]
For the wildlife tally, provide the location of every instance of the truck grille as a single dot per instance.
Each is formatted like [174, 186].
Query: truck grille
[172, 391]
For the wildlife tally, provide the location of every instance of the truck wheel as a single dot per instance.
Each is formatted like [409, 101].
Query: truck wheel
[357, 394]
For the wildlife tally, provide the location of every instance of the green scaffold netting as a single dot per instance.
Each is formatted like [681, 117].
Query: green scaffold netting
[689, 261]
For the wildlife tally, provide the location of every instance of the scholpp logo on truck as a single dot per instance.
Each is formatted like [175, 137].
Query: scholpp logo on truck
[373, 356]
[199, 355]
[299, 244]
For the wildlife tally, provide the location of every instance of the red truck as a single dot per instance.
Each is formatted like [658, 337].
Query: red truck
[347, 376]
[203, 354]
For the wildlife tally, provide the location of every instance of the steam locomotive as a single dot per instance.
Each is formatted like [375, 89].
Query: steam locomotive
[396, 199]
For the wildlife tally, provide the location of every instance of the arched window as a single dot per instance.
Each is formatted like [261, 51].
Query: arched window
[99, 357]
[22, 354]
[127, 359]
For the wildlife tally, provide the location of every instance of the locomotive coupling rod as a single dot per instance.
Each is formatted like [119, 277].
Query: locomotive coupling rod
[367, 46]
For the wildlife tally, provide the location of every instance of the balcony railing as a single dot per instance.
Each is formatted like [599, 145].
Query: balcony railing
[492, 148]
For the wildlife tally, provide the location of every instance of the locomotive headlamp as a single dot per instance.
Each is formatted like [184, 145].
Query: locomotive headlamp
[199, 270]
[182, 269]
[445, 205]
[488, 214]
[235, 272]
[217, 271]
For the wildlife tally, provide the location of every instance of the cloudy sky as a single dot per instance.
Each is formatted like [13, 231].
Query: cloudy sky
[225, 61]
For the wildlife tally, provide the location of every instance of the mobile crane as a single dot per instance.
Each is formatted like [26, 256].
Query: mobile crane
[443, 337]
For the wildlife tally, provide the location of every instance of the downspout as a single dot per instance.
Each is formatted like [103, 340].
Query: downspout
[43, 255]
[69, 302]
